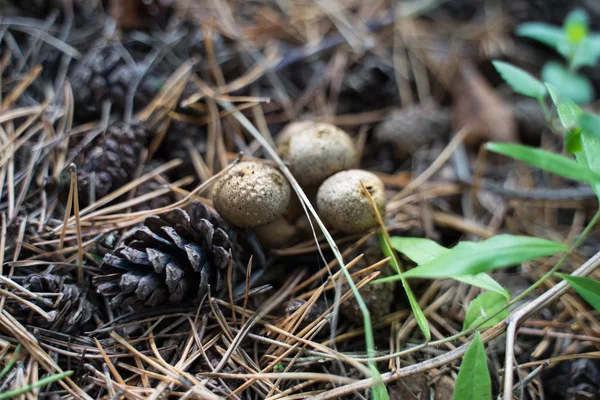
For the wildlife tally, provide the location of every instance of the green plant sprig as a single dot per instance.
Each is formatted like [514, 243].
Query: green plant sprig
[41, 383]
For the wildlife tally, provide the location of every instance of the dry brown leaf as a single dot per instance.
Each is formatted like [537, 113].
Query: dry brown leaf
[477, 104]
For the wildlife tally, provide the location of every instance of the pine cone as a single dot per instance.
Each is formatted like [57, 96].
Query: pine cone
[107, 73]
[379, 298]
[111, 160]
[410, 128]
[173, 257]
[72, 312]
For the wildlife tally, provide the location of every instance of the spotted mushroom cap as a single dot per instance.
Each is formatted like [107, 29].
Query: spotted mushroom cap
[314, 151]
[251, 194]
[342, 203]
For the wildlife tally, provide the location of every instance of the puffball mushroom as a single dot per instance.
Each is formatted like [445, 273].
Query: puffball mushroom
[276, 234]
[314, 151]
[342, 203]
[251, 194]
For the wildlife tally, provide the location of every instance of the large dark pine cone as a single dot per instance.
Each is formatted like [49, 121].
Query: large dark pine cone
[174, 257]
[72, 312]
[107, 72]
[111, 160]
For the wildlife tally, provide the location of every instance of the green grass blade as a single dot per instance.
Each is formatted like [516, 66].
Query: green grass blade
[379, 390]
[245, 122]
[12, 361]
[520, 81]
[41, 383]
[484, 305]
[473, 381]
[587, 288]
[386, 247]
[547, 161]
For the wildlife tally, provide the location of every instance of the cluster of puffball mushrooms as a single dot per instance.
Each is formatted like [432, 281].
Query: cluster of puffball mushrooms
[321, 157]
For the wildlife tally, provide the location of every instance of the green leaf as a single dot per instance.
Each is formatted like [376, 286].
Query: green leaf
[585, 54]
[587, 288]
[422, 250]
[379, 390]
[573, 141]
[520, 81]
[547, 34]
[589, 157]
[582, 53]
[576, 26]
[551, 162]
[569, 84]
[386, 248]
[594, 39]
[590, 124]
[484, 281]
[568, 111]
[483, 306]
[469, 258]
[473, 381]
[419, 250]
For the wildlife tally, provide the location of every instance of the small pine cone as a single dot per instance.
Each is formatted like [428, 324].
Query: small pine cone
[72, 312]
[111, 160]
[107, 73]
[174, 257]
[379, 298]
[413, 127]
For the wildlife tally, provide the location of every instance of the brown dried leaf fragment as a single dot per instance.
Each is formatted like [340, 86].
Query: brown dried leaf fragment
[477, 104]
